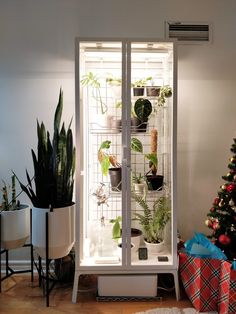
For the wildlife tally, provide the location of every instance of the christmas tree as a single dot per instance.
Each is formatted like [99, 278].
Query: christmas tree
[222, 216]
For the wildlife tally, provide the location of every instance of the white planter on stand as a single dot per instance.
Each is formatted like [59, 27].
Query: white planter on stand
[15, 227]
[61, 231]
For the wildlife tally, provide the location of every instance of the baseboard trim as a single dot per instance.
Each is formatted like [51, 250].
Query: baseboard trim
[16, 265]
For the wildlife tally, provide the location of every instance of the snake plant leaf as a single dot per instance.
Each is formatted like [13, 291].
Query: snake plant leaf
[136, 145]
[58, 113]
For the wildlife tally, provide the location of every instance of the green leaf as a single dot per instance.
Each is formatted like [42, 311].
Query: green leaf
[105, 164]
[116, 230]
[136, 145]
[153, 158]
[105, 144]
[142, 108]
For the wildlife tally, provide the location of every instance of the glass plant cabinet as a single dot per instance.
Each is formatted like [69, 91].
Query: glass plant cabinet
[126, 157]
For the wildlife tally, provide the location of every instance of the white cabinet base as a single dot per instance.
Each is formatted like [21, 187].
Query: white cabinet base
[127, 285]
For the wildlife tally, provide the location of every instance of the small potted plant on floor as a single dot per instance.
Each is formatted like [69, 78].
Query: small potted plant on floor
[153, 221]
[52, 192]
[15, 218]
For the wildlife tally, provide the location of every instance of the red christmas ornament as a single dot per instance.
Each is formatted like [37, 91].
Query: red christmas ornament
[215, 225]
[216, 201]
[224, 239]
[230, 187]
[212, 209]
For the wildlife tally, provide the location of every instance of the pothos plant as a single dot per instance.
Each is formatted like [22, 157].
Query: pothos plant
[165, 92]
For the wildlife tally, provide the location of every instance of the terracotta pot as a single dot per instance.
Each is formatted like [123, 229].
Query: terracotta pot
[153, 90]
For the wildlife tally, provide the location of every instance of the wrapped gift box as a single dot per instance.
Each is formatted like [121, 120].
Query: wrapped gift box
[209, 283]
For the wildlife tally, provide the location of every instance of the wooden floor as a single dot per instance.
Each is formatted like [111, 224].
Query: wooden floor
[19, 295]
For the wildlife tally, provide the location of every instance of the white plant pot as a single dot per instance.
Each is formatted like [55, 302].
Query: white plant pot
[15, 227]
[136, 238]
[155, 248]
[140, 188]
[61, 231]
[101, 122]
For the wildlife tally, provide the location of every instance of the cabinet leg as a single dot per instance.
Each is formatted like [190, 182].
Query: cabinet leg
[75, 286]
[176, 280]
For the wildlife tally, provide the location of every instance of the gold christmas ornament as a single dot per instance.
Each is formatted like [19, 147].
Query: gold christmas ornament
[223, 187]
[221, 203]
[231, 202]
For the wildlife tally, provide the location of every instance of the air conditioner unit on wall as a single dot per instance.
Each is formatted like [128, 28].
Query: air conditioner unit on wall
[189, 32]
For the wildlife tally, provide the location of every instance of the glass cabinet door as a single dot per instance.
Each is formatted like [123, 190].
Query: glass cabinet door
[151, 71]
[100, 79]
[125, 92]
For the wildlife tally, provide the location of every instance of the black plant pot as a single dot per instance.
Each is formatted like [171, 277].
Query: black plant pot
[138, 91]
[115, 178]
[153, 90]
[154, 182]
[137, 125]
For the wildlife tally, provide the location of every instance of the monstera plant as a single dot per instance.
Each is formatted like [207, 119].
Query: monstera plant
[52, 191]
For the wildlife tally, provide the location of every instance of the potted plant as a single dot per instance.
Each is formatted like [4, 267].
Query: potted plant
[15, 218]
[153, 221]
[52, 193]
[138, 86]
[136, 234]
[140, 186]
[165, 92]
[109, 163]
[100, 120]
[142, 110]
[154, 181]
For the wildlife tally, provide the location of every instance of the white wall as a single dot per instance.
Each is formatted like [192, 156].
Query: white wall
[37, 57]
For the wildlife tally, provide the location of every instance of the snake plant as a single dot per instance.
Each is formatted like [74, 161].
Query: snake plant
[54, 165]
